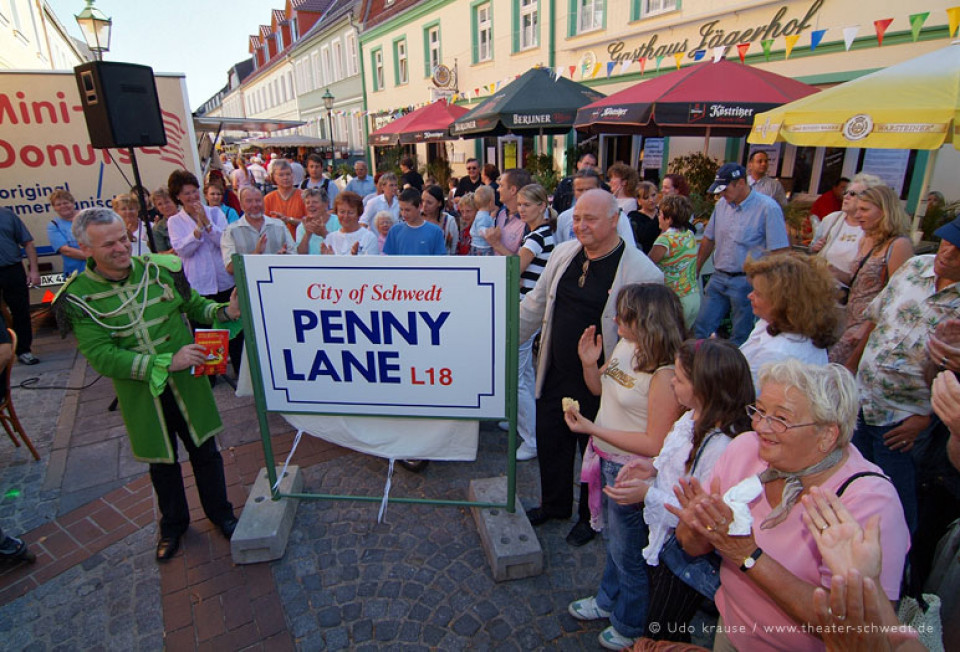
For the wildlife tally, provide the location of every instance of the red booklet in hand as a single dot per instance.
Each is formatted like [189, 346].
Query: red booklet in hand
[214, 341]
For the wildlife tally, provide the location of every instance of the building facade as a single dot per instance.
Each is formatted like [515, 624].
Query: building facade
[33, 38]
[610, 45]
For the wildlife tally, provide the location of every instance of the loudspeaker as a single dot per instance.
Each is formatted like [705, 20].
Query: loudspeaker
[120, 104]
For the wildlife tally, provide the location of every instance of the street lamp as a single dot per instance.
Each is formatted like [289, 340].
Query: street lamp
[96, 29]
[328, 99]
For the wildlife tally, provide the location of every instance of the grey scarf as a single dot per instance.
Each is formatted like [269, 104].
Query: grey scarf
[793, 487]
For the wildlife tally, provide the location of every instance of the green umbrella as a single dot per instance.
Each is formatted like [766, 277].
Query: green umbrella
[535, 103]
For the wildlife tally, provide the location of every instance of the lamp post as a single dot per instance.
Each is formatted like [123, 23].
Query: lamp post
[328, 99]
[95, 27]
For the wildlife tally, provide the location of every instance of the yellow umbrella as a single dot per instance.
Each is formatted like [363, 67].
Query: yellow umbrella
[912, 105]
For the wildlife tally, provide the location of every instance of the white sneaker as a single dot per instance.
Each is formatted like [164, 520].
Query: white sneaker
[526, 452]
[587, 609]
[611, 639]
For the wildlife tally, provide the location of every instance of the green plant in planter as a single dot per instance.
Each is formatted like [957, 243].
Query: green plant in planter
[699, 170]
[344, 170]
[439, 169]
[541, 168]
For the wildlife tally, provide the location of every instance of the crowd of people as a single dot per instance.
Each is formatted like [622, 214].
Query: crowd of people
[745, 440]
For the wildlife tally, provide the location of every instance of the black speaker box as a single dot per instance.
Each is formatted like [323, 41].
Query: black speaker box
[120, 104]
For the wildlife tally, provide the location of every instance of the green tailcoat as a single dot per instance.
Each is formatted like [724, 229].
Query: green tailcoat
[128, 331]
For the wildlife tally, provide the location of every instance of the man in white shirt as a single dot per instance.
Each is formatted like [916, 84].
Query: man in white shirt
[584, 180]
[385, 201]
[255, 233]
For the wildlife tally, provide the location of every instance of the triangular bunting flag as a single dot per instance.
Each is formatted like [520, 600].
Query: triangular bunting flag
[916, 23]
[791, 41]
[766, 44]
[625, 66]
[699, 54]
[659, 61]
[47, 297]
[849, 34]
[742, 50]
[572, 69]
[610, 67]
[718, 53]
[815, 37]
[953, 16]
[643, 64]
[596, 70]
[677, 57]
[497, 87]
[881, 27]
[476, 92]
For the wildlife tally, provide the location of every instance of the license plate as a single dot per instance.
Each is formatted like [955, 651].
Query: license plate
[51, 279]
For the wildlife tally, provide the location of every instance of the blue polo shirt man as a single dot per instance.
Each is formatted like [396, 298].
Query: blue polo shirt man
[744, 223]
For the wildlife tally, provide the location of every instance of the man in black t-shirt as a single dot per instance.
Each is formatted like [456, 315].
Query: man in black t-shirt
[578, 289]
[470, 182]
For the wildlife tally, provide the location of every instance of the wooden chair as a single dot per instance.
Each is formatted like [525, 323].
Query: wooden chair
[8, 415]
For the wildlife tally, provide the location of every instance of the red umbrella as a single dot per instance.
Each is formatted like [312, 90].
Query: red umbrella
[427, 124]
[703, 99]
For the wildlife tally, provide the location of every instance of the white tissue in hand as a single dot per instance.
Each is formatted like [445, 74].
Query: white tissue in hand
[738, 499]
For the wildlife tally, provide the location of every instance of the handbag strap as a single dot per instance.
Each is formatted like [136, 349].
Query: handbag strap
[861, 474]
[863, 261]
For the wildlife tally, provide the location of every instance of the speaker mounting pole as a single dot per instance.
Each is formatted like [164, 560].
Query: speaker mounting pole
[144, 217]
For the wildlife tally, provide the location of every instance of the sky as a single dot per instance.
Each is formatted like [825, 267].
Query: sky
[201, 39]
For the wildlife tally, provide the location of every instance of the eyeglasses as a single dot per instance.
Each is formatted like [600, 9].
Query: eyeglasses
[583, 277]
[852, 193]
[776, 424]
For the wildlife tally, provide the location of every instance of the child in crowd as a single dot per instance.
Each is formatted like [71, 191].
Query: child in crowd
[637, 409]
[414, 236]
[712, 380]
[468, 212]
[382, 223]
[483, 198]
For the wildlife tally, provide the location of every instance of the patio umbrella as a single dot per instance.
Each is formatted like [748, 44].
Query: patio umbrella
[429, 123]
[718, 99]
[911, 105]
[536, 103]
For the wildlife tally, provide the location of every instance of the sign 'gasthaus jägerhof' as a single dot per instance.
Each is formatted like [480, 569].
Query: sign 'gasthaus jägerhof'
[405, 336]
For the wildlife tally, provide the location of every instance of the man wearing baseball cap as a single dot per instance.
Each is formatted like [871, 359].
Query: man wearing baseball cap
[744, 223]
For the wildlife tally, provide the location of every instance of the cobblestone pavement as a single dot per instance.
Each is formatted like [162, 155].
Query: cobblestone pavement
[420, 579]
[110, 602]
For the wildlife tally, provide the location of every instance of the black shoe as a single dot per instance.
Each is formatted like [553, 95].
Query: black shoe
[167, 547]
[581, 534]
[15, 550]
[228, 526]
[537, 516]
[414, 466]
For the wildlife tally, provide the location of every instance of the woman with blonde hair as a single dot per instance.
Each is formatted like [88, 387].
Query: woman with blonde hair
[883, 248]
[793, 298]
[623, 181]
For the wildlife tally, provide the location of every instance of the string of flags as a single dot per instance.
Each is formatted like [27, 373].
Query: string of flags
[587, 70]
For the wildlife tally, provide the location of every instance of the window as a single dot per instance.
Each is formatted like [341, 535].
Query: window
[350, 45]
[315, 64]
[652, 7]
[279, 37]
[431, 48]
[482, 33]
[588, 14]
[400, 63]
[529, 25]
[293, 92]
[377, 64]
[325, 61]
[337, 54]
[294, 29]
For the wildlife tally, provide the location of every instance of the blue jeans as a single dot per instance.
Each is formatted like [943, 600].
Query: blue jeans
[624, 588]
[725, 294]
[898, 466]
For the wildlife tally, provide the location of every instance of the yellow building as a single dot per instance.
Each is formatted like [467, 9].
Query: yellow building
[605, 43]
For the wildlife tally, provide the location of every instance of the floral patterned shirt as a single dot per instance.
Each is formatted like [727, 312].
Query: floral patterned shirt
[679, 263]
[890, 375]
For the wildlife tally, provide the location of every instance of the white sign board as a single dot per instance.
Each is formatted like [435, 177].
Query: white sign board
[888, 164]
[401, 336]
[652, 153]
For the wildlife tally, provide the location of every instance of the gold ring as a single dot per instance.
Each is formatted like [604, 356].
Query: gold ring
[709, 528]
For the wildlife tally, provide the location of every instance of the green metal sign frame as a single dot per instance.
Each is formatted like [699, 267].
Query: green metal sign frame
[511, 293]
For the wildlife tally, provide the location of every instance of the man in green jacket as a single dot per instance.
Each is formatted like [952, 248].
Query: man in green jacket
[128, 315]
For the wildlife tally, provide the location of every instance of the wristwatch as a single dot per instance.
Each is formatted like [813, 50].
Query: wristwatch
[751, 561]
